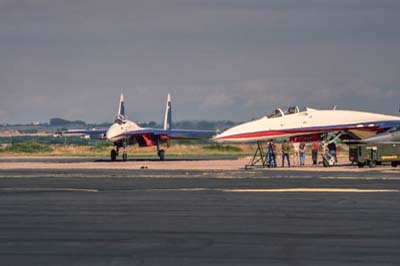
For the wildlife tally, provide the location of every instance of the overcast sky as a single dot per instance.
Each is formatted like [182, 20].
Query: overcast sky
[220, 59]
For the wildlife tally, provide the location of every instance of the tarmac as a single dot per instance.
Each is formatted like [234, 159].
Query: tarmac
[65, 211]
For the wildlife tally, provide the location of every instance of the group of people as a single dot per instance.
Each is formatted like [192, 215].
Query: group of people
[299, 151]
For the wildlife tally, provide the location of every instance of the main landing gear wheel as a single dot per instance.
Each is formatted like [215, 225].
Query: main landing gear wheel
[124, 156]
[372, 164]
[113, 155]
[161, 154]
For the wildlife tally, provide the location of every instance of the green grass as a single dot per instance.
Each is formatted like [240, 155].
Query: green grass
[101, 146]
[103, 150]
[27, 147]
[222, 148]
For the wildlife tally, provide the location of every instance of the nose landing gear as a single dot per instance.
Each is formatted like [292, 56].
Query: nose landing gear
[115, 152]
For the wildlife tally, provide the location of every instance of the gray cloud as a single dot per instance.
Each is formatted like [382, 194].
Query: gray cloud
[220, 59]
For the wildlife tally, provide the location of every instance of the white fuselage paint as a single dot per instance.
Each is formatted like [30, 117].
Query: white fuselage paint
[118, 131]
[302, 123]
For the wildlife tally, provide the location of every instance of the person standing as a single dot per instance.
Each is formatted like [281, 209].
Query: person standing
[314, 154]
[302, 153]
[271, 154]
[332, 150]
[296, 153]
[285, 152]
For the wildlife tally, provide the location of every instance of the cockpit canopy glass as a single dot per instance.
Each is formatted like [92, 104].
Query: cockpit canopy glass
[279, 112]
[119, 119]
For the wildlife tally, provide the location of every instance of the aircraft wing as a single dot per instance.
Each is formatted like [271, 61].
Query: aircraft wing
[173, 133]
[392, 136]
[80, 132]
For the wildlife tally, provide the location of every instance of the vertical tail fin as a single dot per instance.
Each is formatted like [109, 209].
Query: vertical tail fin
[121, 110]
[168, 114]
[121, 107]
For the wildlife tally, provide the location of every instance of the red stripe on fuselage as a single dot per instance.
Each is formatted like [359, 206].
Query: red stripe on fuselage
[279, 133]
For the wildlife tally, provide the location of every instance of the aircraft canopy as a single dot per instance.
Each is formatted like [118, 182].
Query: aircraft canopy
[279, 112]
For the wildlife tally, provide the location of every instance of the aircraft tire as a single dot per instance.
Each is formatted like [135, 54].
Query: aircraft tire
[113, 155]
[360, 165]
[394, 164]
[161, 154]
[372, 164]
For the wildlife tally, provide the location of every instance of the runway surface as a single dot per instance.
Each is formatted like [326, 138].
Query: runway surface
[199, 217]
[70, 160]
[174, 163]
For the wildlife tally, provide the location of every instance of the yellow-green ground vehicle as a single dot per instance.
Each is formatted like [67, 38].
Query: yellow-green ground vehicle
[374, 154]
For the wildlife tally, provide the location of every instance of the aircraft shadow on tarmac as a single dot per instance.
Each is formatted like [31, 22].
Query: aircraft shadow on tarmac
[173, 159]
[107, 160]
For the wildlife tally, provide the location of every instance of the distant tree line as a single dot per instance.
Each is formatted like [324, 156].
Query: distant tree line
[185, 124]
[58, 122]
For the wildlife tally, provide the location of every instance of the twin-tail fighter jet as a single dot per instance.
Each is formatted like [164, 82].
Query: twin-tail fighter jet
[124, 132]
[312, 124]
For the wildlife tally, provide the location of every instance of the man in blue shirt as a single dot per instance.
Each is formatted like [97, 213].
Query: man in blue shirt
[302, 153]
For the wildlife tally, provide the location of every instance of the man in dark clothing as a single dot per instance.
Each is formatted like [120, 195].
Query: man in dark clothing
[315, 148]
[285, 152]
[271, 154]
[332, 150]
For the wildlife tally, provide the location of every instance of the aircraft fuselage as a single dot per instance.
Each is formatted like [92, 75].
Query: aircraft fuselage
[307, 122]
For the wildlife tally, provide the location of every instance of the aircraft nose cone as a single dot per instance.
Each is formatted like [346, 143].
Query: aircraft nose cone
[110, 133]
[216, 138]
[220, 137]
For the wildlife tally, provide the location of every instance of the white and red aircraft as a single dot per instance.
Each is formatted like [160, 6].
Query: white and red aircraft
[125, 132]
[310, 125]
[310, 122]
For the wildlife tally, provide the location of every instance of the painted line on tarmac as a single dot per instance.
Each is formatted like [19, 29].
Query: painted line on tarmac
[284, 190]
[48, 190]
[312, 190]
[388, 178]
[182, 189]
